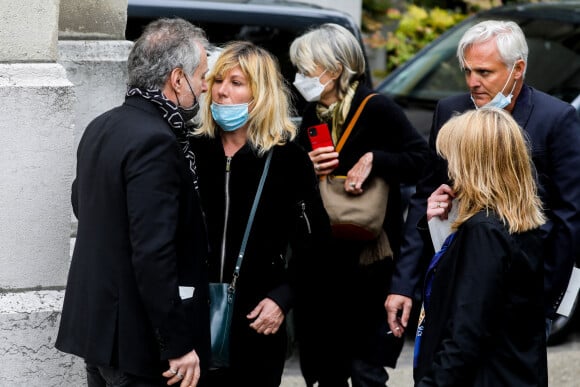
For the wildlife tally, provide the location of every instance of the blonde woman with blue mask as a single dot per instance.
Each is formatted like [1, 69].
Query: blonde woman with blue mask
[246, 117]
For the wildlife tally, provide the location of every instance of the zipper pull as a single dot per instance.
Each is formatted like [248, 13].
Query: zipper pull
[228, 163]
[304, 216]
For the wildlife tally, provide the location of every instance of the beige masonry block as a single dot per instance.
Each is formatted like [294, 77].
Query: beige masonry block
[92, 19]
[28, 32]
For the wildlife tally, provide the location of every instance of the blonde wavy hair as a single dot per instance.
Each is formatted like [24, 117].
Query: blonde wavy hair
[491, 168]
[269, 120]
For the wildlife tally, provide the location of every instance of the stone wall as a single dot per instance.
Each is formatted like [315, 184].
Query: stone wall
[50, 90]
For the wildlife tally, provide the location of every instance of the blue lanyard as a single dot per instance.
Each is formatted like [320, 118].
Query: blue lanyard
[427, 295]
[431, 270]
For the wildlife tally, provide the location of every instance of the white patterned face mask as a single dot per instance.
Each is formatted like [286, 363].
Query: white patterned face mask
[310, 87]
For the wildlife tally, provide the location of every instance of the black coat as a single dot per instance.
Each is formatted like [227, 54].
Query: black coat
[282, 255]
[140, 237]
[484, 325]
[354, 299]
[553, 129]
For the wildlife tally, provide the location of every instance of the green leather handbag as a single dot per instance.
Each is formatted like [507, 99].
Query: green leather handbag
[221, 308]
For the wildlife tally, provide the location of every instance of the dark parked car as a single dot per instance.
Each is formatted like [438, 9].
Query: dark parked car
[553, 34]
[272, 24]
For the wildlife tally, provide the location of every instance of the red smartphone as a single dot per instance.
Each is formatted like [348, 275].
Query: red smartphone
[319, 136]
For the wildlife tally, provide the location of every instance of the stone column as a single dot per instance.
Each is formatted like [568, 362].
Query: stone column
[50, 90]
[36, 162]
[93, 50]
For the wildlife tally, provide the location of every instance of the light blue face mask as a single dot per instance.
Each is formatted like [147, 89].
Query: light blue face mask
[500, 101]
[230, 117]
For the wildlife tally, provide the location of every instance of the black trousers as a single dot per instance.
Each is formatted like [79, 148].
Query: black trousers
[103, 376]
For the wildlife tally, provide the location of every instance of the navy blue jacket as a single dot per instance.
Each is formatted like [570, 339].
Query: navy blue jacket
[553, 129]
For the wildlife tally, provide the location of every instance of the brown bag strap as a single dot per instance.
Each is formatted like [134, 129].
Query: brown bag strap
[346, 133]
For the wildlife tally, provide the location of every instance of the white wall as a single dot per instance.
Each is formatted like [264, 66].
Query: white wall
[352, 7]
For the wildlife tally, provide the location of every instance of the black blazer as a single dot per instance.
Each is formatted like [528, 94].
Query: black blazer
[484, 325]
[140, 237]
[553, 130]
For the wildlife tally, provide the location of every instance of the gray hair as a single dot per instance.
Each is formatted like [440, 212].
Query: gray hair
[165, 44]
[329, 46]
[509, 37]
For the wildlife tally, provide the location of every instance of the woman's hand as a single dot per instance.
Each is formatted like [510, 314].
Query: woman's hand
[439, 203]
[267, 317]
[324, 159]
[358, 174]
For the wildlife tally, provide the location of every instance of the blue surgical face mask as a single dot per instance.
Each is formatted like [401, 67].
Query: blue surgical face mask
[500, 101]
[230, 117]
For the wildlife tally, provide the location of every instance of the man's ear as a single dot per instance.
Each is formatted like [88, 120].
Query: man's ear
[519, 68]
[175, 79]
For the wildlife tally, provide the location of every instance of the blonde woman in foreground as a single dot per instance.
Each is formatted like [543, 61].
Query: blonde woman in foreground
[482, 322]
[247, 115]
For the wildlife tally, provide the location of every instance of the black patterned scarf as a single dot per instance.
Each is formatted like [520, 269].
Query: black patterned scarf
[171, 114]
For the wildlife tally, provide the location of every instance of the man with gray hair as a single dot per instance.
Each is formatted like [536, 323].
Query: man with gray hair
[136, 302]
[493, 55]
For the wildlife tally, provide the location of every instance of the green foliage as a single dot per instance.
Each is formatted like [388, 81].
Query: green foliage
[417, 27]
[403, 34]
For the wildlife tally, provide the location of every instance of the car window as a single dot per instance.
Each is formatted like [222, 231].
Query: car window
[554, 61]
[434, 75]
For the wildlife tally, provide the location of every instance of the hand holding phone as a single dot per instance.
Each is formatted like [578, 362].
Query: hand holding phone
[319, 136]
